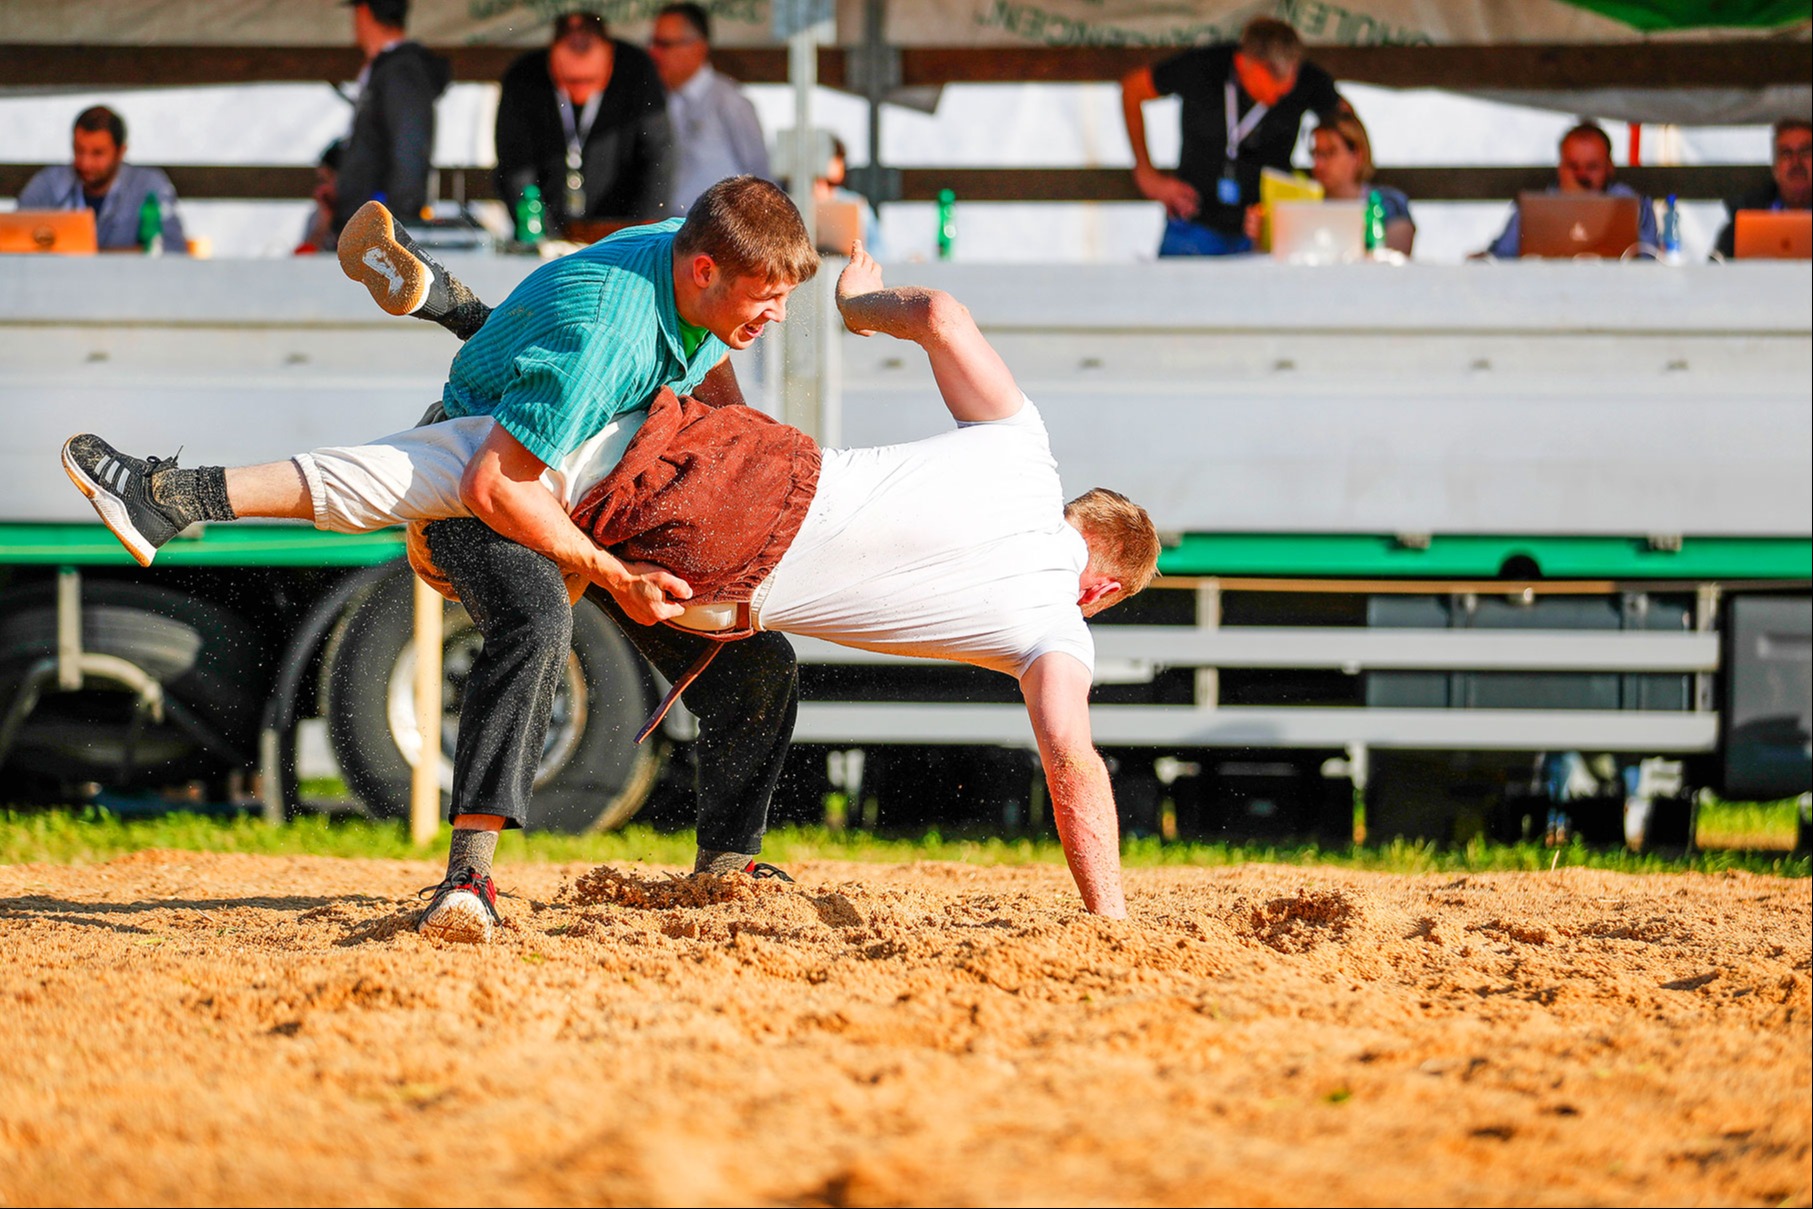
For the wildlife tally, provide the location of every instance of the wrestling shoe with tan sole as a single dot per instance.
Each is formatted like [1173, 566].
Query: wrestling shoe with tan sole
[376, 252]
[379, 255]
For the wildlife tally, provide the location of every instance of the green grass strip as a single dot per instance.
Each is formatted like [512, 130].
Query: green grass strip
[92, 835]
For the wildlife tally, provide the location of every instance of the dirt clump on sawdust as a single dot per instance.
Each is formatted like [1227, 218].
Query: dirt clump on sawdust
[209, 1029]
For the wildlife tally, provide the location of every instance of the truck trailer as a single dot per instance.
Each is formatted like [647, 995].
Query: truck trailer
[1513, 548]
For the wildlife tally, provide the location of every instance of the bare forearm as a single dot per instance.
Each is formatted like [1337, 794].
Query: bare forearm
[528, 515]
[720, 387]
[1133, 112]
[1083, 808]
[908, 312]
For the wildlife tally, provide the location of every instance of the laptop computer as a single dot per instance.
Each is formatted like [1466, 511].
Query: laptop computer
[839, 225]
[1773, 234]
[69, 232]
[1324, 232]
[1566, 225]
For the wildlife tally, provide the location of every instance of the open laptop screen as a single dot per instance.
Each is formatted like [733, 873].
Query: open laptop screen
[70, 232]
[1566, 225]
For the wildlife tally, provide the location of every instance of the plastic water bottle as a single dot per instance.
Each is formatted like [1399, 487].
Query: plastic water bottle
[1671, 233]
[151, 225]
[1375, 223]
[947, 222]
[529, 211]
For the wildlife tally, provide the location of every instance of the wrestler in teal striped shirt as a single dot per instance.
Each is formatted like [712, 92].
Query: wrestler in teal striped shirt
[581, 340]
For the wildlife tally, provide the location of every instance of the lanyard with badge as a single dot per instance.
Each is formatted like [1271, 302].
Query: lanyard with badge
[577, 128]
[1227, 189]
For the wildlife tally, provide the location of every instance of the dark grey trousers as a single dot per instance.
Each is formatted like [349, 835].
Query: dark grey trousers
[746, 701]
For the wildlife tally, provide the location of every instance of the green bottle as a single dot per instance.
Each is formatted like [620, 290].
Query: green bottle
[1375, 223]
[947, 222]
[151, 225]
[529, 226]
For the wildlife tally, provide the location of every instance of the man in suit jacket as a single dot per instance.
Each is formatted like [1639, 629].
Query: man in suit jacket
[586, 121]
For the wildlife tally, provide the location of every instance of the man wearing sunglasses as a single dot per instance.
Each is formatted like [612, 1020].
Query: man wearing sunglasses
[1243, 108]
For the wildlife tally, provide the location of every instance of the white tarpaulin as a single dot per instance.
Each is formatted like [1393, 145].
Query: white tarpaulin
[926, 22]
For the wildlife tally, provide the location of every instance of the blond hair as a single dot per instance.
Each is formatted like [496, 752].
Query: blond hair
[750, 228]
[1350, 130]
[1123, 543]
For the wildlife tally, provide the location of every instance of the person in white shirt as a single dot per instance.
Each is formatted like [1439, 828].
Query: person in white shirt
[716, 131]
[959, 546]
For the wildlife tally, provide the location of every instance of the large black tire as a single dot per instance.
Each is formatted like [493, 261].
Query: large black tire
[593, 776]
[207, 658]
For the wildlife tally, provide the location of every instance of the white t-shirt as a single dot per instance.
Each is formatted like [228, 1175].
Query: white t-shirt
[954, 547]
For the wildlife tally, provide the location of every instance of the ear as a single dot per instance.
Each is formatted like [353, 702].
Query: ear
[1097, 591]
[704, 271]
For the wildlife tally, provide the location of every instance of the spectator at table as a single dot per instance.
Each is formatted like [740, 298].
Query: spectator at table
[829, 186]
[318, 232]
[716, 132]
[1585, 167]
[1243, 108]
[1792, 170]
[1341, 162]
[390, 147]
[585, 120]
[99, 178]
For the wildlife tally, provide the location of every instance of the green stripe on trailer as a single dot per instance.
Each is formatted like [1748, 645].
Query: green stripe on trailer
[237, 545]
[1481, 557]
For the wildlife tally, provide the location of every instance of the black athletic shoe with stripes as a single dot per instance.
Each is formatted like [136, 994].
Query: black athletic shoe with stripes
[119, 487]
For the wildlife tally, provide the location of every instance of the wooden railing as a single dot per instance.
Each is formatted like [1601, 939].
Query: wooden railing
[1733, 64]
[266, 182]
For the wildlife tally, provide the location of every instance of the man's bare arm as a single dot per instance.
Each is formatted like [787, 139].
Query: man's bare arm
[1179, 199]
[720, 387]
[1056, 688]
[502, 486]
[976, 384]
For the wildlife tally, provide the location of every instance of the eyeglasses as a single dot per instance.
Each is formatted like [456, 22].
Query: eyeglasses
[672, 43]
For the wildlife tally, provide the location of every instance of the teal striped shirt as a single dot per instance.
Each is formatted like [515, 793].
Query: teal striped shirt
[580, 341]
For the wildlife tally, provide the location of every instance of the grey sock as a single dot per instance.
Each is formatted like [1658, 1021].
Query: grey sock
[459, 310]
[472, 849]
[450, 302]
[193, 495]
[710, 860]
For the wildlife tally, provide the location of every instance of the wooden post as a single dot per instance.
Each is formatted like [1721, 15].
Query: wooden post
[425, 786]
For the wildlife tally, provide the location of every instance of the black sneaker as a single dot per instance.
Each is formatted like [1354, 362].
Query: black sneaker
[119, 487]
[464, 907]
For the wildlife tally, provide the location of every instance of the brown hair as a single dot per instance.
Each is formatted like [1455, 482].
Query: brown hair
[1122, 541]
[1588, 130]
[1273, 43]
[97, 118]
[1784, 125]
[750, 229]
[580, 24]
[693, 14]
[1349, 130]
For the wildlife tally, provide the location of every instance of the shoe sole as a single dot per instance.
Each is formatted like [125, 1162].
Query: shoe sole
[111, 511]
[371, 255]
[465, 922]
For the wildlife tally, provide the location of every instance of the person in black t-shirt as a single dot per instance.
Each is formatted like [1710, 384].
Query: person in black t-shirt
[1243, 107]
[586, 122]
